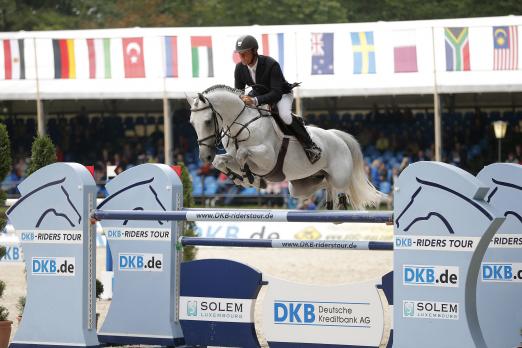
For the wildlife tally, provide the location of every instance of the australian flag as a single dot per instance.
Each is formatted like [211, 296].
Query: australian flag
[322, 54]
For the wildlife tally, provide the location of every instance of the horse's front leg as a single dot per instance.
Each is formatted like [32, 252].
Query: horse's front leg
[259, 156]
[227, 164]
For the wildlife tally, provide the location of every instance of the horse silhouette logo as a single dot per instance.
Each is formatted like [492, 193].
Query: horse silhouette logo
[129, 194]
[440, 196]
[58, 191]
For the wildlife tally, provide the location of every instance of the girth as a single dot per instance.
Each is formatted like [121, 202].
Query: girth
[276, 174]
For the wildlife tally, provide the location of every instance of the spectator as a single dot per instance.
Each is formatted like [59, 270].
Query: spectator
[15, 177]
[308, 204]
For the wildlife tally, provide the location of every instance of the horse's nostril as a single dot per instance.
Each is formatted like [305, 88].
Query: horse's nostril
[209, 158]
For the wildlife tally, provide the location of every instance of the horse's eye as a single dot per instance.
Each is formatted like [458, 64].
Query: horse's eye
[207, 123]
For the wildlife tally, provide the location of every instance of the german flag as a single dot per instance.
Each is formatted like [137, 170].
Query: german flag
[64, 60]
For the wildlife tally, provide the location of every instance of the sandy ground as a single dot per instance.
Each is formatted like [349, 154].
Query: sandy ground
[304, 266]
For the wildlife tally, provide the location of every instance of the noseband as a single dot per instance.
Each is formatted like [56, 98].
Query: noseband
[217, 134]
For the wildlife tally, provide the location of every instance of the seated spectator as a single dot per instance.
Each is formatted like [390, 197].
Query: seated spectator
[14, 178]
[307, 204]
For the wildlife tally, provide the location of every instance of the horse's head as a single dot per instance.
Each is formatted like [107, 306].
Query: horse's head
[213, 113]
[204, 120]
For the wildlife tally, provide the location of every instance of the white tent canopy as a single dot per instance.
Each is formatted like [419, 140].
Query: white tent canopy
[380, 58]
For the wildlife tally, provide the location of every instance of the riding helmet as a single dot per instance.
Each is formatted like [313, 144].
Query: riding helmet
[246, 42]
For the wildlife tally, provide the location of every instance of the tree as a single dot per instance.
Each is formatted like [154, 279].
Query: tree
[5, 167]
[43, 153]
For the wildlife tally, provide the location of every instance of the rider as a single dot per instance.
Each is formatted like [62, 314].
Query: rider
[269, 86]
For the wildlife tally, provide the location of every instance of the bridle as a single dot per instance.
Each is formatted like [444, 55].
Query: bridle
[219, 134]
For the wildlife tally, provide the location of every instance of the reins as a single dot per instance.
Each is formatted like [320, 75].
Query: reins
[220, 133]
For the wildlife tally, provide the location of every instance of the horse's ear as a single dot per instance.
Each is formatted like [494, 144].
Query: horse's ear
[190, 100]
[201, 97]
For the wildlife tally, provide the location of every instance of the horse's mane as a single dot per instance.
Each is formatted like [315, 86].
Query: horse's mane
[222, 87]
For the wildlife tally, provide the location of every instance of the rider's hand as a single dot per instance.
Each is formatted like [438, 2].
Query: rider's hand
[248, 100]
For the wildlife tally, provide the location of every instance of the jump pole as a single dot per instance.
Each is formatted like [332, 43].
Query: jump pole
[248, 215]
[287, 244]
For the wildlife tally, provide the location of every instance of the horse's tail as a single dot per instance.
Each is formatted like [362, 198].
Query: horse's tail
[361, 191]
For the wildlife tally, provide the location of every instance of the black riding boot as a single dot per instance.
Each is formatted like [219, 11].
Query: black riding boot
[312, 151]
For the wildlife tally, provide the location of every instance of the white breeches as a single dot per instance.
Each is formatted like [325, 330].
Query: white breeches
[285, 107]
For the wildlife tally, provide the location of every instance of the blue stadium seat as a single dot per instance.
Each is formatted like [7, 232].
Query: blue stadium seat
[249, 191]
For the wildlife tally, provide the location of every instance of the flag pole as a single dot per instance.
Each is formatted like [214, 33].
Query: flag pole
[436, 105]
[167, 121]
[40, 117]
[298, 101]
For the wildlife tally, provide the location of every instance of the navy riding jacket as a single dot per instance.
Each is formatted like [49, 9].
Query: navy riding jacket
[270, 83]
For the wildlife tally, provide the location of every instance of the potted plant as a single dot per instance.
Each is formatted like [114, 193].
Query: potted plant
[99, 292]
[5, 325]
[20, 306]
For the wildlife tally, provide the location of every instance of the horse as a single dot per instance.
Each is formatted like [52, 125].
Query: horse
[255, 151]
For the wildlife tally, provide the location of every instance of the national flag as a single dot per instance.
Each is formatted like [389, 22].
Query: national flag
[171, 56]
[322, 54]
[404, 51]
[99, 51]
[363, 52]
[202, 61]
[457, 49]
[505, 48]
[14, 59]
[273, 45]
[133, 57]
[64, 59]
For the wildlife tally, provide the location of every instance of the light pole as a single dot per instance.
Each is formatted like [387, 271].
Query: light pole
[500, 128]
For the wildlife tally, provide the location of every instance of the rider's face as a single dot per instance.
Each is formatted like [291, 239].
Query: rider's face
[247, 57]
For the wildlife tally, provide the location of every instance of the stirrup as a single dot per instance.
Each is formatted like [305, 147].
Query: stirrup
[313, 153]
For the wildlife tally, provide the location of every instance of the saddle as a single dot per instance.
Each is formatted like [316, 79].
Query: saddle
[282, 126]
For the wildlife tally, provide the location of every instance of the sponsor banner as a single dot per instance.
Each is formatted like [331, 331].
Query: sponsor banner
[312, 244]
[436, 243]
[140, 262]
[349, 314]
[231, 310]
[137, 233]
[50, 236]
[13, 253]
[430, 310]
[256, 230]
[246, 215]
[425, 275]
[53, 266]
[513, 241]
[501, 272]
[295, 230]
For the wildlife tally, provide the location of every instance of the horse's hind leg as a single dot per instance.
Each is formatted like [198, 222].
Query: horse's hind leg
[342, 200]
[303, 188]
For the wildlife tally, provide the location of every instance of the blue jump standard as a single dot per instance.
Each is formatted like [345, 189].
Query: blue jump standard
[247, 215]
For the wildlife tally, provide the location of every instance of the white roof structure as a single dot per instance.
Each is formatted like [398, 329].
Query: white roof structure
[381, 58]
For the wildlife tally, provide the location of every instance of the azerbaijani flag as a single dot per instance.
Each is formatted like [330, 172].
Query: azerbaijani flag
[202, 62]
[171, 56]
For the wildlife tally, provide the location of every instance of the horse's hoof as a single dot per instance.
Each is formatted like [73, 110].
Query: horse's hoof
[262, 183]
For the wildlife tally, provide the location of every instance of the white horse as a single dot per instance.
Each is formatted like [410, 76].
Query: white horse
[253, 141]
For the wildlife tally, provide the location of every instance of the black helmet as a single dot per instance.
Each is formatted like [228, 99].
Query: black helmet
[246, 42]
